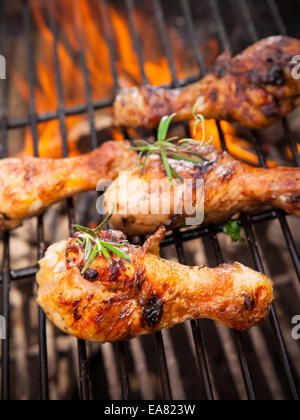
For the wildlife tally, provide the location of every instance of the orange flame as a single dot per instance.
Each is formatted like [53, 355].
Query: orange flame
[290, 153]
[238, 147]
[81, 27]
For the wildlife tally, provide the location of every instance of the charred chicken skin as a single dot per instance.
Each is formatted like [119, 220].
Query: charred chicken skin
[29, 185]
[230, 186]
[254, 89]
[122, 300]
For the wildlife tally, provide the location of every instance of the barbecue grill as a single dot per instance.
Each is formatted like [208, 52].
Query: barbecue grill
[278, 17]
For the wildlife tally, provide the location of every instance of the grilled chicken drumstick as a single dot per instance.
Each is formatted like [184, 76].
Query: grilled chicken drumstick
[122, 300]
[29, 185]
[230, 187]
[254, 89]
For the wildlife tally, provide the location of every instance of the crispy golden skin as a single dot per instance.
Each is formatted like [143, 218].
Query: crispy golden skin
[254, 89]
[230, 187]
[123, 300]
[29, 185]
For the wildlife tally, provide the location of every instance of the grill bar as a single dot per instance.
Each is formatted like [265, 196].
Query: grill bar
[44, 380]
[84, 375]
[291, 141]
[43, 356]
[30, 76]
[239, 343]
[290, 241]
[5, 344]
[44, 377]
[121, 349]
[159, 14]
[220, 24]
[59, 85]
[162, 364]
[247, 17]
[109, 40]
[136, 41]
[91, 111]
[277, 17]
[4, 92]
[258, 261]
[214, 240]
[185, 5]
[82, 355]
[157, 337]
[121, 352]
[273, 317]
[5, 308]
[237, 336]
[197, 333]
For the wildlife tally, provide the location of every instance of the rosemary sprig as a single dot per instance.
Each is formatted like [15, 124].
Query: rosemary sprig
[172, 148]
[94, 246]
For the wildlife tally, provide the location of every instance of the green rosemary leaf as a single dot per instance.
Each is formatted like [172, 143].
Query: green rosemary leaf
[85, 236]
[91, 259]
[183, 158]
[87, 230]
[88, 249]
[88, 237]
[116, 251]
[233, 230]
[81, 228]
[166, 148]
[171, 139]
[105, 253]
[177, 175]
[140, 160]
[164, 127]
[165, 144]
[209, 141]
[145, 162]
[191, 141]
[195, 108]
[142, 149]
[141, 143]
[105, 221]
[167, 166]
[197, 114]
[199, 155]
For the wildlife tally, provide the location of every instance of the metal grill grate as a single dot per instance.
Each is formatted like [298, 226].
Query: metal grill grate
[178, 237]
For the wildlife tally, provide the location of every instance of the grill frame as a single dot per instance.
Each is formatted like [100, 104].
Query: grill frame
[177, 238]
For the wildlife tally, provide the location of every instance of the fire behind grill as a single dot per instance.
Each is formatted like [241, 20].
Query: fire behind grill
[256, 19]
